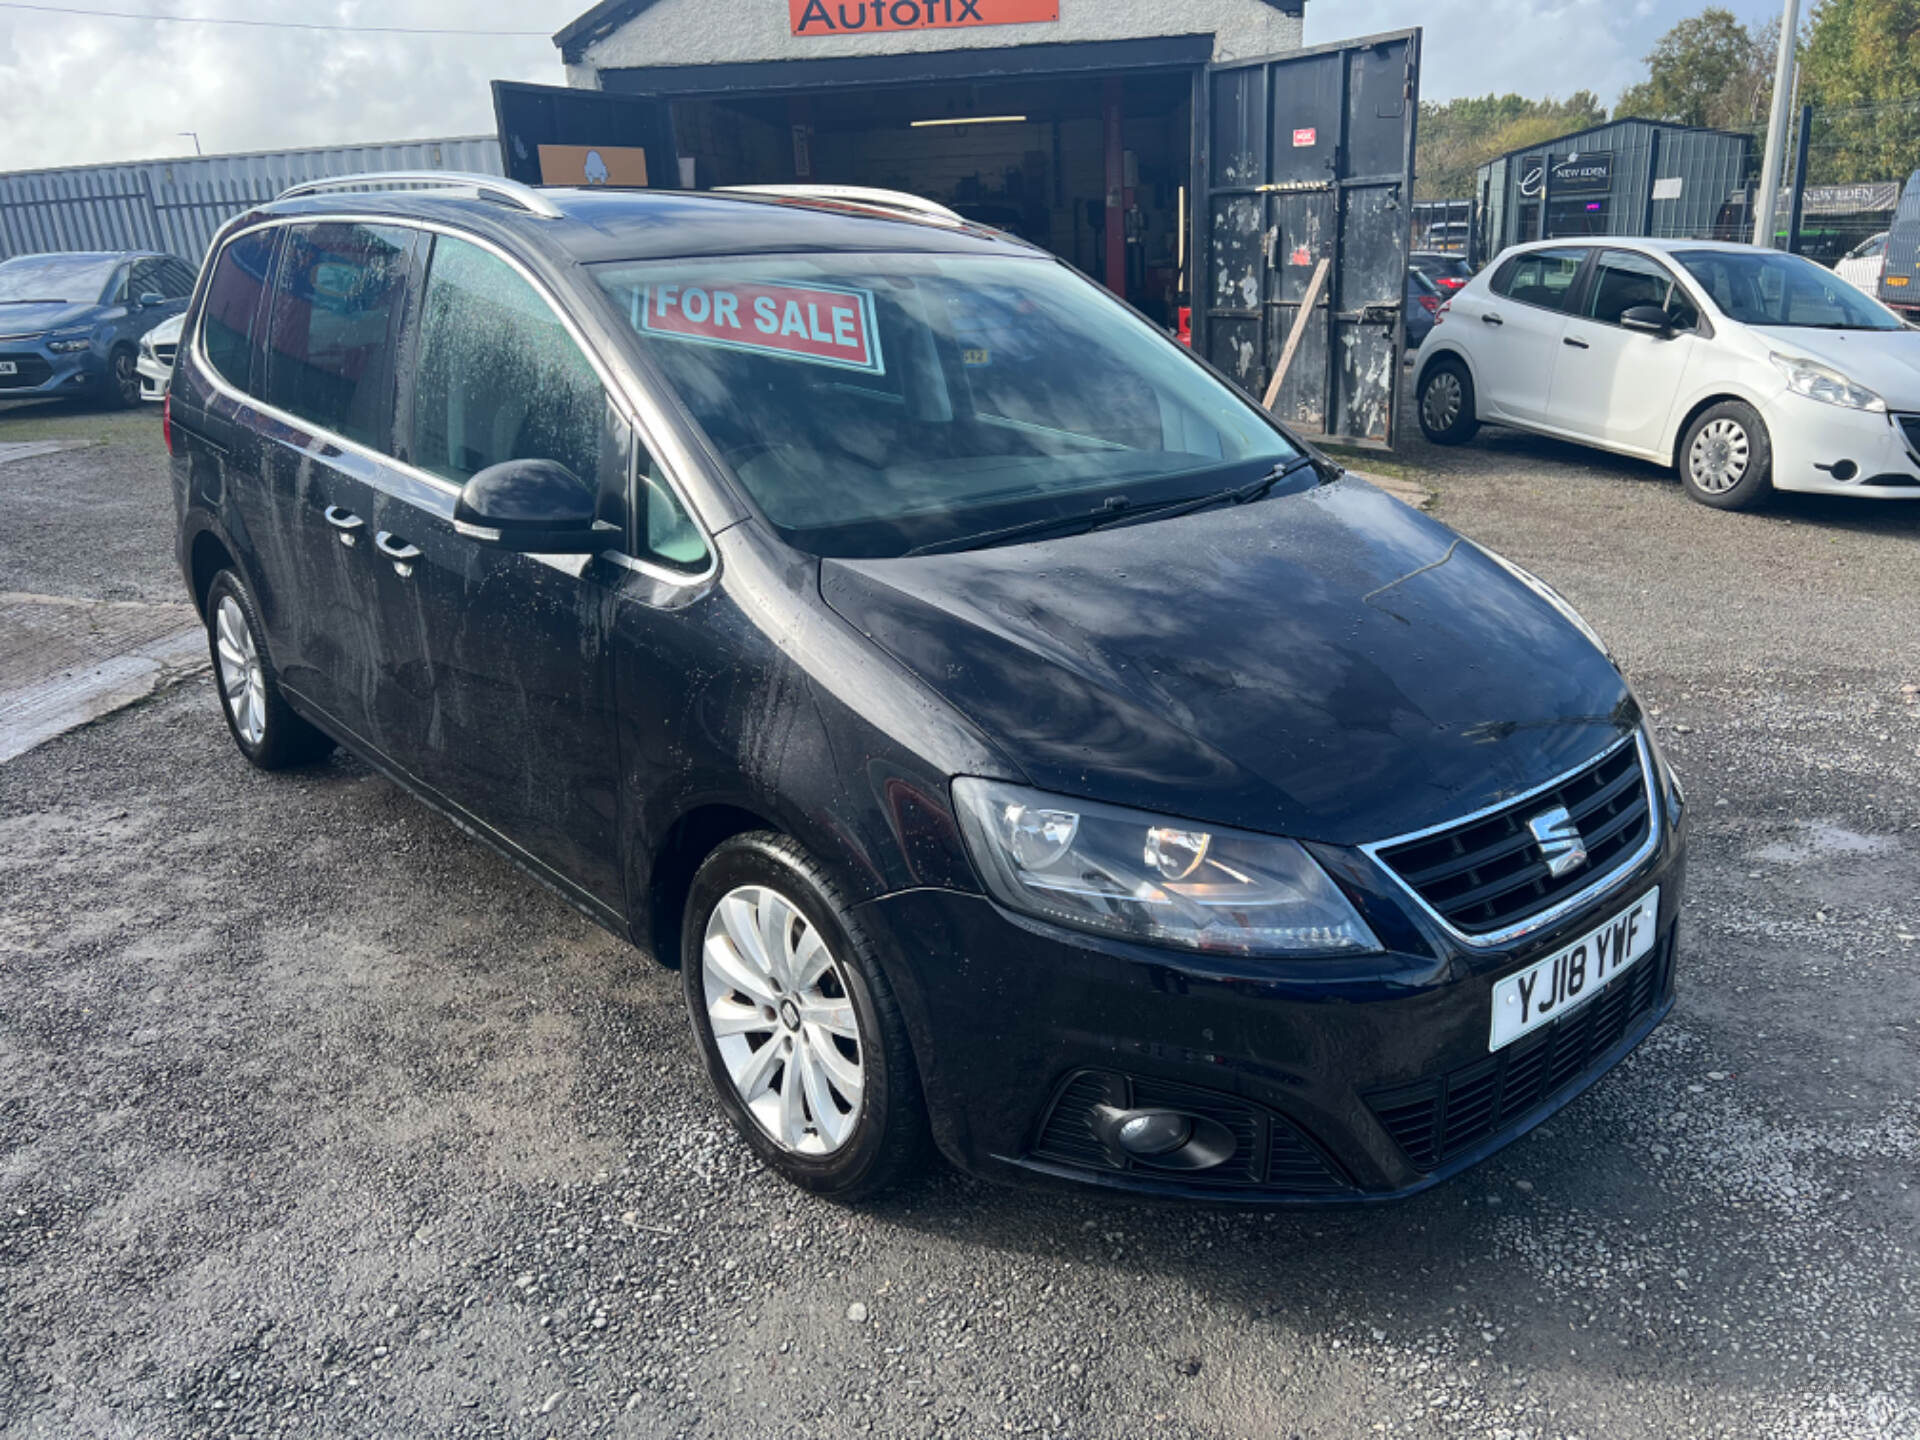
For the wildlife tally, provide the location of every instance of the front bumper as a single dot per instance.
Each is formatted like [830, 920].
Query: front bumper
[1814, 444]
[38, 371]
[154, 375]
[1342, 1080]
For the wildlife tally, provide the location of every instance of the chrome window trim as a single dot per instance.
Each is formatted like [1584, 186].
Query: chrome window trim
[628, 411]
[1560, 909]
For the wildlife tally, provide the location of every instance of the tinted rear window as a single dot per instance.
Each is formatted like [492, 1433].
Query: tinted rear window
[338, 298]
[233, 303]
[1541, 277]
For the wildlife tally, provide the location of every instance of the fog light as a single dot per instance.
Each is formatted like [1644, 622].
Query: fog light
[1154, 1132]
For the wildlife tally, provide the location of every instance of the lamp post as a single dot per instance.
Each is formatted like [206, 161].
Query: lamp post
[194, 135]
[1777, 126]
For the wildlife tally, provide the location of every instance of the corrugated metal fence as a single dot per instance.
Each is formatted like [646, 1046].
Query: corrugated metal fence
[178, 205]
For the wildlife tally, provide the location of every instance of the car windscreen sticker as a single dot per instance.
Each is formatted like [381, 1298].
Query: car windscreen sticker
[820, 324]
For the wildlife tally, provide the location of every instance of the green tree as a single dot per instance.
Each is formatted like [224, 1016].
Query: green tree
[1459, 136]
[1707, 70]
[1860, 69]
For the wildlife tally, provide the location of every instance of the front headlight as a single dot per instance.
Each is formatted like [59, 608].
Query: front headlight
[1825, 384]
[68, 344]
[1141, 877]
[1547, 593]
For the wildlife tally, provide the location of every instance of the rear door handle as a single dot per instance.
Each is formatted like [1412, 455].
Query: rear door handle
[1576, 344]
[1491, 319]
[398, 551]
[344, 522]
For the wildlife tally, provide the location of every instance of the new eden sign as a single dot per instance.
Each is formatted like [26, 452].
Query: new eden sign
[868, 17]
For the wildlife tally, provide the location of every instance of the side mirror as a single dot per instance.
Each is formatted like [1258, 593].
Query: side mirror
[533, 507]
[1648, 319]
[152, 297]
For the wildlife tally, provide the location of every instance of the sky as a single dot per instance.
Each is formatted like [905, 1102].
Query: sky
[78, 90]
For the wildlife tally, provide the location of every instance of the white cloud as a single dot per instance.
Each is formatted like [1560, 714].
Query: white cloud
[1532, 47]
[79, 90]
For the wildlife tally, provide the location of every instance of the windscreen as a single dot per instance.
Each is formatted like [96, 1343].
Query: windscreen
[68, 279]
[1766, 287]
[874, 404]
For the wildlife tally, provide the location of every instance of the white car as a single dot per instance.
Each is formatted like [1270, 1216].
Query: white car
[1860, 267]
[1744, 369]
[157, 348]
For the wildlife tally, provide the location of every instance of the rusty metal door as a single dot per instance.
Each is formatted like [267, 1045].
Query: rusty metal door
[1309, 157]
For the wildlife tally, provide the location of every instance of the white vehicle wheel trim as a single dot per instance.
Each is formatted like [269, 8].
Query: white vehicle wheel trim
[1440, 404]
[783, 1020]
[1719, 456]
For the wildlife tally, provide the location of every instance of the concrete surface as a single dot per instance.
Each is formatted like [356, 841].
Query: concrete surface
[316, 1119]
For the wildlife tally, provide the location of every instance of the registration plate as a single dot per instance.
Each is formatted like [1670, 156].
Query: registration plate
[1571, 977]
[9, 367]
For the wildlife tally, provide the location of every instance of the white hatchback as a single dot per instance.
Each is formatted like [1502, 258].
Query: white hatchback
[1747, 370]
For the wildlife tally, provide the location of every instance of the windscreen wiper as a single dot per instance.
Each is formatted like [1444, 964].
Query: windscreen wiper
[1237, 495]
[1114, 510]
[1109, 509]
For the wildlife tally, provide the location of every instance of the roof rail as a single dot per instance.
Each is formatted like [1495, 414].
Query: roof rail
[856, 195]
[487, 187]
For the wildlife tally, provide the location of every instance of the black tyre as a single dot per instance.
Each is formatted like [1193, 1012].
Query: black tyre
[802, 1037]
[263, 725]
[121, 388]
[1726, 457]
[1446, 403]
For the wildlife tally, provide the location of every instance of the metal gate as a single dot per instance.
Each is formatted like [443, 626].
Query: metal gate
[1307, 157]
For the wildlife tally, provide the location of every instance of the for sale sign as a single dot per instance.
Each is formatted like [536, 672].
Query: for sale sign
[820, 324]
[868, 17]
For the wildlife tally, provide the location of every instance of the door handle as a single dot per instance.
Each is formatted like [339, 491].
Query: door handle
[344, 522]
[1490, 318]
[1576, 344]
[398, 551]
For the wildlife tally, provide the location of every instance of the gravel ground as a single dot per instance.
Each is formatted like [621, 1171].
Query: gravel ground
[318, 1119]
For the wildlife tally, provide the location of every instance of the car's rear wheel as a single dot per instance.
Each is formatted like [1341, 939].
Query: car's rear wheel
[264, 726]
[1446, 403]
[1726, 457]
[802, 1037]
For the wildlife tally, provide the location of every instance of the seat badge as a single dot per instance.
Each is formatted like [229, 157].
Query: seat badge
[1559, 839]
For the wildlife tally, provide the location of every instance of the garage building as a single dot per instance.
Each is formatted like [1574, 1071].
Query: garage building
[1190, 157]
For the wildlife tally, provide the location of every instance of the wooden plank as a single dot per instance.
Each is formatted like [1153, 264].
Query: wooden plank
[1298, 332]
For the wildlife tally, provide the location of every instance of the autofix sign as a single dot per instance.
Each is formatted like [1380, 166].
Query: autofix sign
[820, 324]
[867, 17]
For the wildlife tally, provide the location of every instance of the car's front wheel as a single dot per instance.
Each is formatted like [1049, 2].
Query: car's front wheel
[1446, 403]
[264, 726]
[802, 1036]
[122, 387]
[1726, 457]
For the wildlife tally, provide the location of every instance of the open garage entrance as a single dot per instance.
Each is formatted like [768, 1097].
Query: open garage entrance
[1032, 157]
[1271, 197]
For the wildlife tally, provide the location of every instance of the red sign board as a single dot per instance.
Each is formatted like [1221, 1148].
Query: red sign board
[822, 324]
[1304, 138]
[869, 17]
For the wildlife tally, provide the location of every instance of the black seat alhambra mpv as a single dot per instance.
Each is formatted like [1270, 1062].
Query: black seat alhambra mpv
[1015, 737]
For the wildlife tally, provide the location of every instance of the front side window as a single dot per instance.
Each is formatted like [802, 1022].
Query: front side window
[1767, 287]
[338, 298]
[233, 304]
[175, 280]
[1623, 280]
[874, 404]
[1542, 277]
[499, 377]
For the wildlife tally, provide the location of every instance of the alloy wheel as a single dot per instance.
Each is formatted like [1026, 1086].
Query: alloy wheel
[783, 1020]
[1718, 459]
[1440, 401]
[243, 682]
[126, 377]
